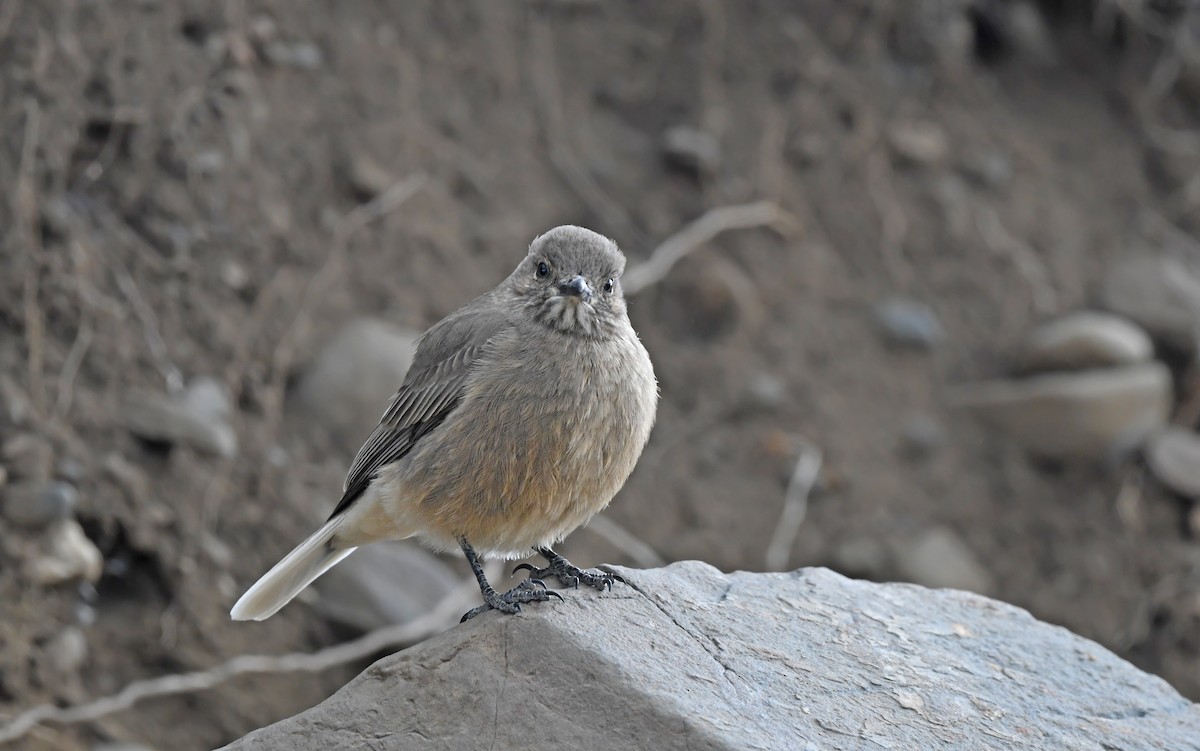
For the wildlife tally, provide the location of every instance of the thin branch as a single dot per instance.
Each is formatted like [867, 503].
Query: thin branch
[433, 622]
[626, 542]
[26, 212]
[795, 505]
[715, 221]
[70, 369]
[1023, 256]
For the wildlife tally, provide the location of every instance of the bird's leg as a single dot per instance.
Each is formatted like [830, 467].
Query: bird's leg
[566, 572]
[530, 590]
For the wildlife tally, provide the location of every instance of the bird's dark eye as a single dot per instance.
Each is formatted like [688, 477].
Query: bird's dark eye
[543, 270]
[609, 284]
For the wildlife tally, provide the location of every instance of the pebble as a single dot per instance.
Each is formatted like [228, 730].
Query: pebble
[692, 150]
[350, 381]
[234, 275]
[908, 323]
[1158, 293]
[302, 55]
[1083, 340]
[861, 558]
[920, 436]
[1173, 455]
[765, 391]
[67, 554]
[988, 167]
[199, 417]
[366, 176]
[921, 143]
[1097, 415]
[938, 558]
[67, 651]
[383, 584]
[36, 505]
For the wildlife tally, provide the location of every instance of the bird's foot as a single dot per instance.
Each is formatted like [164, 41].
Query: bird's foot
[530, 590]
[570, 574]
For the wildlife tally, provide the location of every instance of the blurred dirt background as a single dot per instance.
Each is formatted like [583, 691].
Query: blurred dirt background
[198, 197]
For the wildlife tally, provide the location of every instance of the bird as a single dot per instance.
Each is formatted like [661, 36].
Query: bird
[521, 416]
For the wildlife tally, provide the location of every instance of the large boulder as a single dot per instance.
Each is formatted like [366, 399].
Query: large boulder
[685, 657]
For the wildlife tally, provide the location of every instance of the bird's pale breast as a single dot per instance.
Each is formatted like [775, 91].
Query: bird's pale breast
[546, 434]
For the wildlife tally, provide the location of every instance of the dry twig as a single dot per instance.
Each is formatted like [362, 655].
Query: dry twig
[715, 221]
[26, 211]
[416, 630]
[795, 505]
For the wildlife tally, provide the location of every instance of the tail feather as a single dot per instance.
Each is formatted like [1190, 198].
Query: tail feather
[287, 578]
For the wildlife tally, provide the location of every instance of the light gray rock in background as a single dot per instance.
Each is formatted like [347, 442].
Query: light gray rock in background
[686, 657]
[1160, 294]
[383, 584]
[908, 323]
[37, 504]
[939, 558]
[1174, 457]
[346, 388]
[919, 142]
[1095, 415]
[1082, 340]
[66, 554]
[692, 150]
[67, 651]
[197, 417]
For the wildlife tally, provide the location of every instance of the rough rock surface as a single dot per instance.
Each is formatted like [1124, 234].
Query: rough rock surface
[687, 657]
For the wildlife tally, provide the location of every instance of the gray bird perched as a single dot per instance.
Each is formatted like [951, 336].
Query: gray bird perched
[522, 415]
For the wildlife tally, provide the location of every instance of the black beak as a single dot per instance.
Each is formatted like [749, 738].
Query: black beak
[577, 287]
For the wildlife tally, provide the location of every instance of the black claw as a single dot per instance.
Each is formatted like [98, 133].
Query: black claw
[536, 583]
[552, 593]
[523, 567]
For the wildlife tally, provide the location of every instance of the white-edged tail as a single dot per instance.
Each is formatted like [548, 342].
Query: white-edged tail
[287, 578]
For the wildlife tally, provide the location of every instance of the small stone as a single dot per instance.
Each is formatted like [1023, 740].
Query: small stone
[350, 381]
[17, 406]
[29, 456]
[920, 143]
[988, 167]
[68, 650]
[217, 551]
[920, 436]
[70, 469]
[198, 418]
[692, 150]
[234, 275]
[765, 391]
[939, 559]
[367, 178]
[383, 584]
[1160, 294]
[302, 55]
[1085, 340]
[861, 558]
[67, 554]
[909, 323]
[1173, 455]
[38, 504]
[1098, 415]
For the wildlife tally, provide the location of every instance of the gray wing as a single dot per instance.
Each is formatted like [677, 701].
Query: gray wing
[432, 389]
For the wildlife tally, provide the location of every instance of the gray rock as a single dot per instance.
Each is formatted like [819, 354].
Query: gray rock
[920, 436]
[1098, 415]
[908, 323]
[38, 504]
[1173, 455]
[988, 167]
[687, 657]
[692, 150]
[199, 417]
[383, 584]
[922, 143]
[347, 386]
[66, 554]
[939, 558]
[765, 391]
[366, 177]
[302, 55]
[67, 651]
[1084, 340]
[1158, 293]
